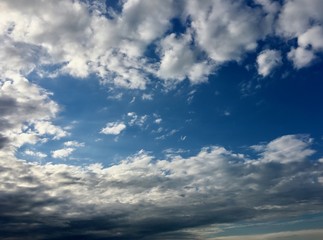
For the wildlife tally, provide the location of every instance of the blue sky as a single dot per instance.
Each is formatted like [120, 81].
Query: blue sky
[161, 119]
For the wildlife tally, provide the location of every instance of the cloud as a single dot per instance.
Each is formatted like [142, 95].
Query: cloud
[315, 234]
[136, 119]
[286, 149]
[127, 45]
[113, 128]
[301, 57]
[134, 198]
[62, 153]
[298, 16]
[73, 144]
[35, 154]
[27, 114]
[303, 22]
[267, 61]
[225, 30]
[310, 43]
[147, 96]
[179, 62]
[158, 120]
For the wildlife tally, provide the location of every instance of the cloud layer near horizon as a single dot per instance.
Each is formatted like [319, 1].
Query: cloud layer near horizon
[144, 197]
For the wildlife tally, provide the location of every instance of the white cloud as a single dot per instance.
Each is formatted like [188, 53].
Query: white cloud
[297, 16]
[302, 20]
[267, 61]
[46, 127]
[301, 57]
[168, 133]
[83, 41]
[286, 149]
[158, 120]
[62, 153]
[225, 29]
[178, 61]
[35, 154]
[312, 38]
[113, 128]
[146, 96]
[310, 43]
[136, 119]
[73, 144]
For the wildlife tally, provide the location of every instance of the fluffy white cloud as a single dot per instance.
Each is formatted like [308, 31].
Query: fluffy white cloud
[62, 153]
[302, 20]
[225, 30]
[113, 128]
[85, 41]
[212, 187]
[267, 61]
[178, 61]
[35, 154]
[297, 16]
[312, 38]
[158, 120]
[286, 149]
[301, 57]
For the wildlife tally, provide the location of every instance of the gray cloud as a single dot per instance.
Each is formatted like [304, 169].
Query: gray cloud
[141, 197]
[3, 141]
[26, 114]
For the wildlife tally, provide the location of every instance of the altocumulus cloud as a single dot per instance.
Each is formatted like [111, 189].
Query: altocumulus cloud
[144, 197]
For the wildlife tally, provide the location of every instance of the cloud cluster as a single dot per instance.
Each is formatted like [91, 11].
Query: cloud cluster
[143, 197]
[27, 114]
[127, 44]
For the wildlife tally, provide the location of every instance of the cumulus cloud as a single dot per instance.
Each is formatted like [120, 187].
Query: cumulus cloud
[62, 153]
[303, 21]
[301, 57]
[27, 114]
[178, 61]
[94, 38]
[113, 128]
[133, 199]
[225, 29]
[286, 149]
[267, 61]
[310, 43]
[35, 154]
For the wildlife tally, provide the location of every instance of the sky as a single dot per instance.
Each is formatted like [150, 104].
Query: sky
[173, 119]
